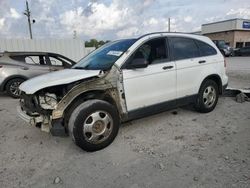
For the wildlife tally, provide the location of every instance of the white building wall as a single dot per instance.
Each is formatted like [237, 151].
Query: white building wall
[227, 25]
[71, 48]
[218, 27]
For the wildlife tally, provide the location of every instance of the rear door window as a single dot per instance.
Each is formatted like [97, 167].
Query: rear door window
[35, 60]
[205, 49]
[183, 48]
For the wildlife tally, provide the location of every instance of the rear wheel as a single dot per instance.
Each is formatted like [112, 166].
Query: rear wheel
[12, 87]
[207, 97]
[94, 124]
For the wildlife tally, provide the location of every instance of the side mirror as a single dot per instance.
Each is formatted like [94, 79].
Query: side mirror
[137, 63]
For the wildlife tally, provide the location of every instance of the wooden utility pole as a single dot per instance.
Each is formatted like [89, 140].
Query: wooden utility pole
[27, 13]
[168, 24]
[74, 34]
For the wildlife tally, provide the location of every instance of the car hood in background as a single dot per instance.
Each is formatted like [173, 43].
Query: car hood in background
[56, 78]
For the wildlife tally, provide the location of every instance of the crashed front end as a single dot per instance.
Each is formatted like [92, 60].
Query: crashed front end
[37, 109]
[46, 108]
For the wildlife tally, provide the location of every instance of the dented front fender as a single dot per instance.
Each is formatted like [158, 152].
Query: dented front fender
[109, 83]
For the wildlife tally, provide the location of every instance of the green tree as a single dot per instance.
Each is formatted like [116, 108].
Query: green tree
[101, 42]
[95, 43]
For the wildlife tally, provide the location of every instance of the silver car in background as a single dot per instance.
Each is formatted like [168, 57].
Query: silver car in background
[16, 67]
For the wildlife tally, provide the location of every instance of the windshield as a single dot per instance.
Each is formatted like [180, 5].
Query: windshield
[104, 57]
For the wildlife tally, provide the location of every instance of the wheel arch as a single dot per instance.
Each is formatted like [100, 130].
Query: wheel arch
[3, 86]
[92, 94]
[216, 78]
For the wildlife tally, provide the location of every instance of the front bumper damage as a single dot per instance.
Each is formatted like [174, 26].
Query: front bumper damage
[44, 122]
[30, 111]
[36, 120]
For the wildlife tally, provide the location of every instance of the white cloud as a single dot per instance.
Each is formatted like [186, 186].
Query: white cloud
[150, 22]
[241, 12]
[102, 18]
[128, 32]
[212, 19]
[110, 19]
[188, 19]
[14, 14]
[2, 20]
[151, 25]
[147, 2]
[197, 28]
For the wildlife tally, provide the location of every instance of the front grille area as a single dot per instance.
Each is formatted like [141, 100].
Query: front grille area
[28, 103]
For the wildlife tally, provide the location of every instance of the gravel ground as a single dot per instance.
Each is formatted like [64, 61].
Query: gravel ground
[178, 148]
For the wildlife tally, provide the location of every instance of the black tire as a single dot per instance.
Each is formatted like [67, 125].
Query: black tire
[204, 105]
[69, 111]
[82, 114]
[12, 87]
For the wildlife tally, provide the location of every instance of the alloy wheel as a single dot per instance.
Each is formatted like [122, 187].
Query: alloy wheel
[14, 88]
[97, 127]
[209, 96]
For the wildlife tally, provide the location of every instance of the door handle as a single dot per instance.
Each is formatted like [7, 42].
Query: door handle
[25, 68]
[167, 67]
[202, 61]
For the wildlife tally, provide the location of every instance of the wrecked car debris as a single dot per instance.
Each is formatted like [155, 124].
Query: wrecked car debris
[241, 95]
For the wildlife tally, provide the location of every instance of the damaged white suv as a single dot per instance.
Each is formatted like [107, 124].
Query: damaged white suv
[124, 80]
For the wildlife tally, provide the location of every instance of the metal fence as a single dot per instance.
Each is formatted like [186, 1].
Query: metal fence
[71, 48]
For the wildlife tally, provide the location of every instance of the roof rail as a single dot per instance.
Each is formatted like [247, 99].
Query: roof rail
[163, 32]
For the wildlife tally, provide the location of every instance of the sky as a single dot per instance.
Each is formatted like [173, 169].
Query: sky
[113, 19]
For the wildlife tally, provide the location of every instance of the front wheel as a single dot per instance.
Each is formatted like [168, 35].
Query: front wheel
[207, 96]
[94, 124]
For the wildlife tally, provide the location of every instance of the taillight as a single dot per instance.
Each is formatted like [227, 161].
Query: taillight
[225, 63]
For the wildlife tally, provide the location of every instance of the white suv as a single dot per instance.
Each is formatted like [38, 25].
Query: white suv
[124, 80]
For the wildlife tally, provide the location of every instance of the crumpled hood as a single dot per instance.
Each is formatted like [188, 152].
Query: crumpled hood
[65, 76]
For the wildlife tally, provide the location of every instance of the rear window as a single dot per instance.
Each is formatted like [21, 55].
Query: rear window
[55, 62]
[183, 48]
[18, 58]
[205, 49]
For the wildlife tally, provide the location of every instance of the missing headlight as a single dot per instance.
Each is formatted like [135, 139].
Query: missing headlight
[48, 101]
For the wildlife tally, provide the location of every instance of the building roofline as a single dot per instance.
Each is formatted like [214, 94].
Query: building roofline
[225, 21]
[231, 30]
[195, 32]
